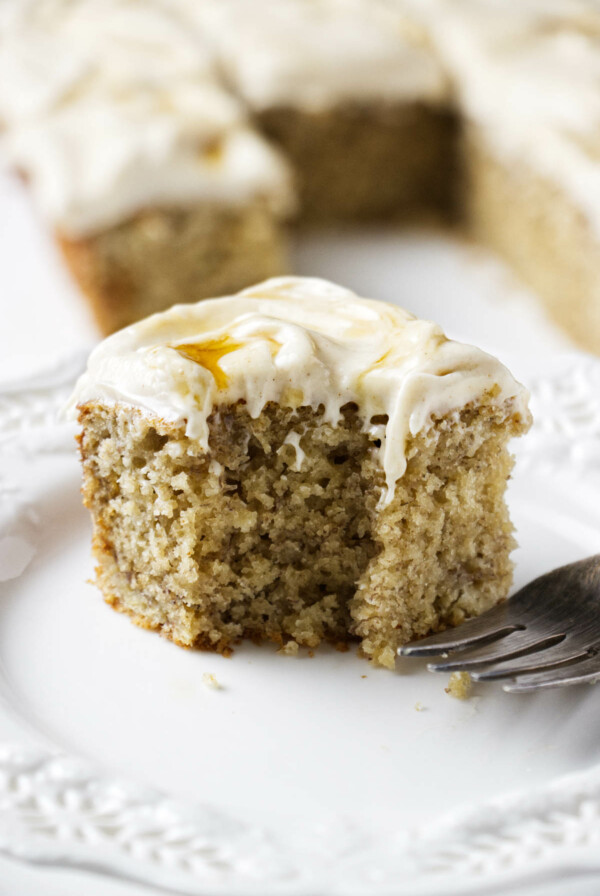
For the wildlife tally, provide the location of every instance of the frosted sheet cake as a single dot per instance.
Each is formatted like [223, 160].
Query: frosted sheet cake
[153, 135]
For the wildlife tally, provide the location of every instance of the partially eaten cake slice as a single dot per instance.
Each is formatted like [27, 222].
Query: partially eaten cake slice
[298, 464]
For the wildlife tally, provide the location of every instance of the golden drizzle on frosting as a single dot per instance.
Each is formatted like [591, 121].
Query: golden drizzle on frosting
[208, 355]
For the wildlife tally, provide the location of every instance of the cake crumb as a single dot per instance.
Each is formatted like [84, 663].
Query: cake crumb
[211, 681]
[290, 648]
[419, 706]
[363, 676]
[459, 685]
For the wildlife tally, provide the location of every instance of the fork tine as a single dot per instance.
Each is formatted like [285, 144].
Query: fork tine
[512, 646]
[551, 658]
[475, 632]
[582, 672]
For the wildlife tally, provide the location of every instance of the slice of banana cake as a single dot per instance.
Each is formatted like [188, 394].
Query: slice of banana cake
[298, 464]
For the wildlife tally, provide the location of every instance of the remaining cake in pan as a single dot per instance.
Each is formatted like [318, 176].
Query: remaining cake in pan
[146, 168]
[299, 464]
[153, 135]
[352, 93]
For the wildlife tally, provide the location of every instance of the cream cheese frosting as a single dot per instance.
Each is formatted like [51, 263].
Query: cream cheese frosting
[114, 106]
[298, 342]
[317, 53]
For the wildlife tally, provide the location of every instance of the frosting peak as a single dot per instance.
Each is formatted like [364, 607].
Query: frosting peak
[297, 341]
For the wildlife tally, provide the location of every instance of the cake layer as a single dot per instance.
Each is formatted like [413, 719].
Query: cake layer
[169, 255]
[370, 161]
[297, 342]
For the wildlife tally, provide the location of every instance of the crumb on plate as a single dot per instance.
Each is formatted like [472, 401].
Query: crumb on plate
[459, 685]
[211, 681]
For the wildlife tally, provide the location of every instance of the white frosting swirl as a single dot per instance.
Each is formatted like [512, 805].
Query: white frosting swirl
[297, 341]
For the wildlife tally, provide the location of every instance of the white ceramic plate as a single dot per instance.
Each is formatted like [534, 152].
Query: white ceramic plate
[300, 776]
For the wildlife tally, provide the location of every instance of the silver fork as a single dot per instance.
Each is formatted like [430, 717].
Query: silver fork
[546, 635]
